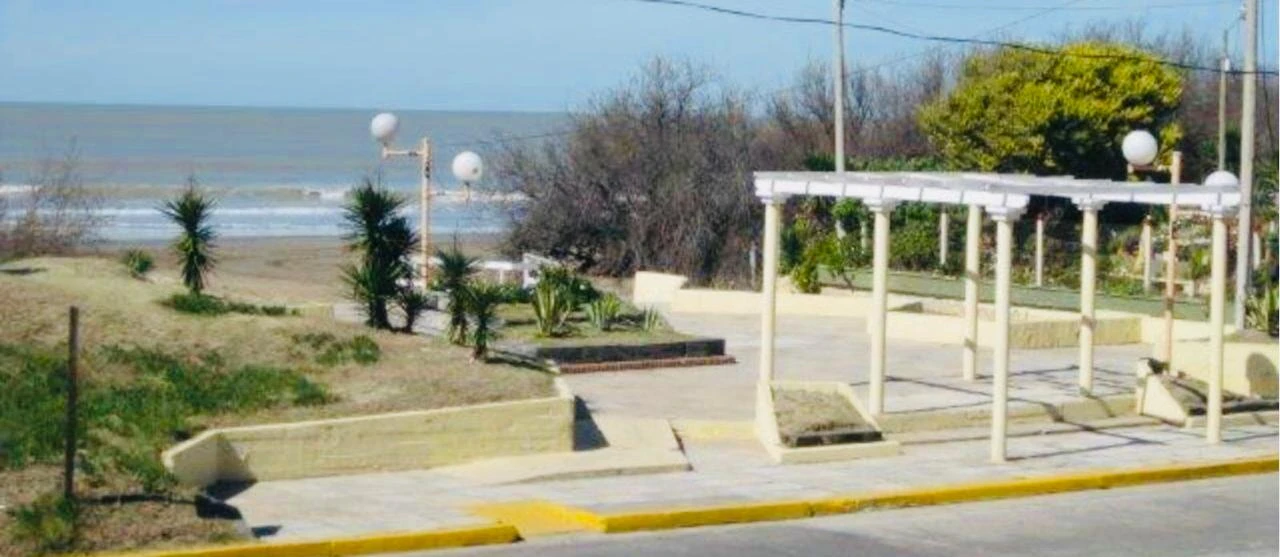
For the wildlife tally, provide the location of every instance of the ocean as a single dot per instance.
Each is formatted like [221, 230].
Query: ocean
[274, 171]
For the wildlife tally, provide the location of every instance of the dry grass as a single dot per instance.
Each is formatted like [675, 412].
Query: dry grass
[113, 525]
[801, 412]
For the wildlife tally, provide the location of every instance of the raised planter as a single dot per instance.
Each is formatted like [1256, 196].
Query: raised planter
[602, 353]
[853, 434]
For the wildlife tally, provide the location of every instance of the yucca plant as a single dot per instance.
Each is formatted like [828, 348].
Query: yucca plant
[481, 301]
[378, 231]
[412, 303]
[652, 320]
[454, 276]
[603, 312]
[551, 309]
[138, 262]
[191, 211]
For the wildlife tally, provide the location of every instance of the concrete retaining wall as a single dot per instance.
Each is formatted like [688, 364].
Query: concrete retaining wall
[1028, 328]
[651, 288]
[382, 442]
[1248, 368]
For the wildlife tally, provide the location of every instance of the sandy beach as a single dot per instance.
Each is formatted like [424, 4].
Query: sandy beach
[289, 270]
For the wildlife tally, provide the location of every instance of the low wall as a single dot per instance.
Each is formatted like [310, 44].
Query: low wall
[831, 303]
[651, 288]
[1029, 328]
[1183, 329]
[1248, 368]
[382, 442]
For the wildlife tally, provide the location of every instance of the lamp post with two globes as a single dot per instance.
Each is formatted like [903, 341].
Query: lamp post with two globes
[1140, 149]
[467, 168]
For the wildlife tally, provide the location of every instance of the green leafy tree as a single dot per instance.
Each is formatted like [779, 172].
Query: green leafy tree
[380, 233]
[1020, 111]
[191, 211]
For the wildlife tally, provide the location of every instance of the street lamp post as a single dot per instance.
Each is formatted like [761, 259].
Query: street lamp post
[467, 168]
[1140, 149]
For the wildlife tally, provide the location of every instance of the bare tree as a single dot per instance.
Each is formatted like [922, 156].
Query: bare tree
[55, 214]
[655, 175]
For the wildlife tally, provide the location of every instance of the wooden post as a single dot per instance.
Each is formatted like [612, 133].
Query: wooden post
[69, 455]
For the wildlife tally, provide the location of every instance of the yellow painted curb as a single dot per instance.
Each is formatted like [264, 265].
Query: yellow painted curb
[361, 545]
[537, 518]
[434, 539]
[660, 519]
[704, 516]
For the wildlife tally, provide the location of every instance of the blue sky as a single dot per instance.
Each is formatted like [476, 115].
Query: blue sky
[475, 54]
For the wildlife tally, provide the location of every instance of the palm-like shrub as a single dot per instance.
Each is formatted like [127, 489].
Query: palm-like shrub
[481, 301]
[551, 308]
[453, 277]
[604, 312]
[191, 211]
[378, 231]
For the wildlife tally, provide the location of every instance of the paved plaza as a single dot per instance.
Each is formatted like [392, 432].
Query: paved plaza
[922, 377]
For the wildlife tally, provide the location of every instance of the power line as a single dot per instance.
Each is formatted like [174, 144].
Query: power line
[860, 70]
[999, 7]
[942, 38]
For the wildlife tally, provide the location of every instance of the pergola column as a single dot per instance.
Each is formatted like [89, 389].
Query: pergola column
[881, 208]
[1217, 311]
[769, 284]
[944, 236]
[1039, 250]
[1088, 287]
[1004, 217]
[972, 272]
[1144, 252]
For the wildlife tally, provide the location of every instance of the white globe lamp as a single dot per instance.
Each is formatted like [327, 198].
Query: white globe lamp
[383, 127]
[1140, 148]
[467, 167]
[1221, 179]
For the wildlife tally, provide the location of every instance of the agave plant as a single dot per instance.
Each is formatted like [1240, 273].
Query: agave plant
[551, 308]
[482, 300]
[652, 320]
[603, 312]
[378, 231]
[454, 276]
[191, 211]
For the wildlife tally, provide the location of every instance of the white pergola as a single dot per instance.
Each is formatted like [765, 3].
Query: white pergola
[1004, 197]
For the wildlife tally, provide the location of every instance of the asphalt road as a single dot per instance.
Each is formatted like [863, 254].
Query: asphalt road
[1231, 516]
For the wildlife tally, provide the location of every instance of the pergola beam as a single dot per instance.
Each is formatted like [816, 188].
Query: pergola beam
[1004, 197]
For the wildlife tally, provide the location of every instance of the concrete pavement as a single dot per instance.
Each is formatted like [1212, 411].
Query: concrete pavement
[1231, 516]
[723, 473]
[921, 376]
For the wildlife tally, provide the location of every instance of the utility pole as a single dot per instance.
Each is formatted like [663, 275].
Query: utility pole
[1222, 103]
[838, 73]
[1248, 100]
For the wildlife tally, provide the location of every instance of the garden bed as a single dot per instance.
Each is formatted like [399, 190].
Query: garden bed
[809, 418]
[628, 340]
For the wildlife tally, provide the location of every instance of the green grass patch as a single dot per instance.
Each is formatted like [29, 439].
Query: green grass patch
[204, 304]
[330, 351]
[143, 400]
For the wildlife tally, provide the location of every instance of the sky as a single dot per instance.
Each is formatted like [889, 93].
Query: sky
[522, 55]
